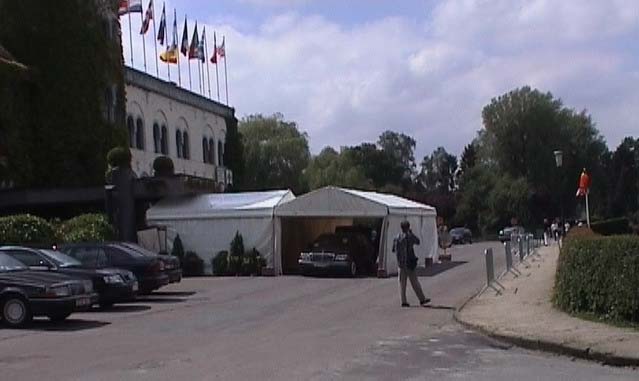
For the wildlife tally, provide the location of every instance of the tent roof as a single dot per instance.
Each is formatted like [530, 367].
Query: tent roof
[218, 205]
[341, 202]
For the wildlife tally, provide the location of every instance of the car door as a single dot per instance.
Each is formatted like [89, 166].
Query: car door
[30, 259]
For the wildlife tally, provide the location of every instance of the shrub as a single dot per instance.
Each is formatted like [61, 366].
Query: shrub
[614, 226]
[220, 263]
[86, 228]
[26, 229]
[236, 260]
[178, 249]
[119, 157]
[599, 275]
[580, 232]
[163, 166]
[193, 265]
[250, 263]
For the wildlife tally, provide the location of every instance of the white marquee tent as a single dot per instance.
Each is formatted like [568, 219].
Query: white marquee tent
[207, 223]
[340, 203]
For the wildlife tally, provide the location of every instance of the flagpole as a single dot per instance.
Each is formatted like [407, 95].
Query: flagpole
[143, 44]
[208, 72]
[226, 80]
[587, 209]
[217, 76]
[130, 37]
[177, 54]
[155, 42]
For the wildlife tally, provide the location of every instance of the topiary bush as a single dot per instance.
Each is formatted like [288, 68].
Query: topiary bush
[163, 166]
[613, 226]
[193, 265]
[600, 276]
[236, 258]
[86, 228]
[220, 263]
[119, 157]
[178, 250]
[26, 229]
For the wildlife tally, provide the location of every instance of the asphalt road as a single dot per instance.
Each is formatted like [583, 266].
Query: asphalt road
[286, 328]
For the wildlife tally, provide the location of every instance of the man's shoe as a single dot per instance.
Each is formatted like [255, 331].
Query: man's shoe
[424, 302]
[405, 305]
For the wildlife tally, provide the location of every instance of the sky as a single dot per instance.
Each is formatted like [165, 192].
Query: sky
[347, 70]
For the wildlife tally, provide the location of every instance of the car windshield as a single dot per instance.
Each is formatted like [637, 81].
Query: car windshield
[457, 231]
[8, 264]
[130, 251]
[61, 259]
[139, 249]
[326, 241]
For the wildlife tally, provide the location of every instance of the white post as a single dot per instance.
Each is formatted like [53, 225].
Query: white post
[587, 210]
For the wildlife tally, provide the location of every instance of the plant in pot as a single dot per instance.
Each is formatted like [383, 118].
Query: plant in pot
[236, 257]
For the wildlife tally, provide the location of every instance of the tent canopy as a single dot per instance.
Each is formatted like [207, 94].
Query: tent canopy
[219, 205]
[341, 202]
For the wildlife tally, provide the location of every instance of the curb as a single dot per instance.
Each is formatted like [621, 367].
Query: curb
[548, 346]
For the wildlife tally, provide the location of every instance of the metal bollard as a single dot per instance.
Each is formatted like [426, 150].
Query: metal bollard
[490, 273]
[522, 255]
[509, 256]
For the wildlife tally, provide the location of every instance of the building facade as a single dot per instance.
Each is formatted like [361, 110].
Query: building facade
[163, 119]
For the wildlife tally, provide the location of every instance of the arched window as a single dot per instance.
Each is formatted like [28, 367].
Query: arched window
[157, 140]
[185, 146]
[178, 143]
[211, 151]
[131, 127]
[164, 141]
[205, 150]
[220, 154]
[139, 134]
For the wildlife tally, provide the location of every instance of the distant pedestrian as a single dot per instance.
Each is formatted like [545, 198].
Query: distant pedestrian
[546, 231]
[407, 263]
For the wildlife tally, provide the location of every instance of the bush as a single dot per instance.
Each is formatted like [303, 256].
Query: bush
[193, 265]
[220, 263]
[600, 276]
[163, 166]
[580, 232]
[178, 250]
[614, 226]
[86, 228]
[26, 229]
[119, 157]
[236, 259]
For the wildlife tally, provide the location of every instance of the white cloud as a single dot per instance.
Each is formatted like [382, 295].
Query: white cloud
[345, 85]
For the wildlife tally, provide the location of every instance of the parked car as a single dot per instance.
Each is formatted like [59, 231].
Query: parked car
[25, 293]
[171, 263]
[149, 270]
[461, 236]
[343, 253]
[112, 285]
[506, 233]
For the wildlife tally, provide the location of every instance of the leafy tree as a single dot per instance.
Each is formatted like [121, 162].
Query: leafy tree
[234, 152]
[438, 171]
[377, 165]
[624, 178]
[276, 153]
[401, 149]
[468, 157]
[332, 168]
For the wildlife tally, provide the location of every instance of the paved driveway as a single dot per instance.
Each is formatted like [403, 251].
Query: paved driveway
[271, 328]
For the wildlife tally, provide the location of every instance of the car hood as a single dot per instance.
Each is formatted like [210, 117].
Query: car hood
[35, 278]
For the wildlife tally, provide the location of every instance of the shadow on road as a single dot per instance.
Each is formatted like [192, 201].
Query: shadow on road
[123, 308]
[69, 325]
[173, 293]
[153, 299]
[438, 268]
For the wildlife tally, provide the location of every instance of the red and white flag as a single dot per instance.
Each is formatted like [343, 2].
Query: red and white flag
[148, 16]
[584, 184]
[129, 6]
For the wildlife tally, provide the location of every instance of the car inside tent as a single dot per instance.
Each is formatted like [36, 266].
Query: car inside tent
[300, 221]
[207, 223]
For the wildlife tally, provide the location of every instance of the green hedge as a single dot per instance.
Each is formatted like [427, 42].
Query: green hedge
[86, 228]
[614, 226]
[193, 265]
[600, 276]
[26, 229]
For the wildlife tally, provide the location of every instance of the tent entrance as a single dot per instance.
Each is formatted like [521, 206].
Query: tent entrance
[298, 233]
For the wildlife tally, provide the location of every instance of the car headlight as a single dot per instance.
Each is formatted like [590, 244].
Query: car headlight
[341, 257]
[59, 291]
[501, 232]
[112, 279]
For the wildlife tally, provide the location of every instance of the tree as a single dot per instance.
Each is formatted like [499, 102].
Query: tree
[276, 153]
[400, 148]
[438, 171]
[234, 152]
[332, 168]
[623, 172]
[468, 157]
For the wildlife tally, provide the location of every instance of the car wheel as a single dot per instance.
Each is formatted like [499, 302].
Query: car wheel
[352, 271]
[60, 316]
[16, 312]
[106, 305]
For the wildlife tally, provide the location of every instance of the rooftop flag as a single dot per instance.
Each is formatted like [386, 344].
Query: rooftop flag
[184, 47]
[194, 48]
[148, 16]
[129, 6]
[214, 56]
[201, 49]
[162, 31]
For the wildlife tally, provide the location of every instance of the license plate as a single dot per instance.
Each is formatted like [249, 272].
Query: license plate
[135, 286]
[83, 302]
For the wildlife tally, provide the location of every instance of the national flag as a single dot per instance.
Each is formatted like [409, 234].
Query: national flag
[194, 48]
[162, 30]
[221, 51]
[184, 47]
[214, 56]
[148, 16]
[584, 184]
[129, 6]
[201, 51]
[172, 55]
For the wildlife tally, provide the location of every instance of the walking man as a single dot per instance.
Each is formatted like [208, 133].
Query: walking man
[407, 263]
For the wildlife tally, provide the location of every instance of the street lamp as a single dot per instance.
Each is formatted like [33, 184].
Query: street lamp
[559, 160]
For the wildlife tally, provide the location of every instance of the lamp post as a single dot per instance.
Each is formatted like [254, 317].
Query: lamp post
[559, 160]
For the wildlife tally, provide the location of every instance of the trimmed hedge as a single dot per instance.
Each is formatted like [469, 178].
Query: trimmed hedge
[26, 229]
[600, 276]
[86, 228]
[119, 157]
[613, 226]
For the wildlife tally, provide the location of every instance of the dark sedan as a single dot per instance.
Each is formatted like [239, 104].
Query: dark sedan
[112, 285]
[171, 263]
[25, 294]
[149, 270]
[461, 236]
[343, 253]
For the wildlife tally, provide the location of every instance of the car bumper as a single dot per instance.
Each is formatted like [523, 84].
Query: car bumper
[68, 304]
[175, 276]
[324, 267]
[154, 282]
[119, 293]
